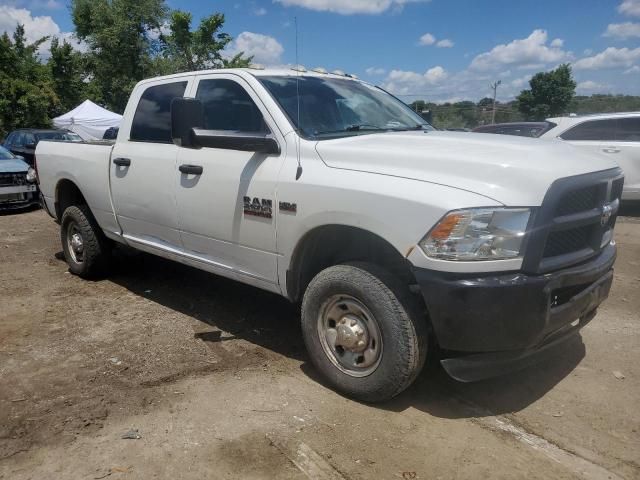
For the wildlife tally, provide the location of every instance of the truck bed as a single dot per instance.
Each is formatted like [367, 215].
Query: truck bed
[87, 165]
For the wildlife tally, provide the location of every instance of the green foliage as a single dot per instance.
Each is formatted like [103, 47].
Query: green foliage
[120, 47]
[66, 70]
[550, 94]
[26, 96]
[186, 50]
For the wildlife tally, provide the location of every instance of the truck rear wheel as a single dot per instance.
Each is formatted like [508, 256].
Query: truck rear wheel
[85, 247]
[364, 331]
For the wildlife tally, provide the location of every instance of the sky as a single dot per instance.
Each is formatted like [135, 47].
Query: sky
[437, 50]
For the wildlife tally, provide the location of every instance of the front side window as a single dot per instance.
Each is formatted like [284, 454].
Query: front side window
[323, 108]
[628, 130]
[29, 139]
[228, 106]
[598, 130]
[152, 120]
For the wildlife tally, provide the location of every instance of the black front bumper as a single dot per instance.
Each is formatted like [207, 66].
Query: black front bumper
[492, 324]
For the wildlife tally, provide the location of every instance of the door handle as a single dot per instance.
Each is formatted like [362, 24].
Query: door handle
[611, 150]
[122, 162]
[191, 169]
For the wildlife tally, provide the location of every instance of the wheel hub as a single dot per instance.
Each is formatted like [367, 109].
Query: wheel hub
[351, 334]
[76, 243]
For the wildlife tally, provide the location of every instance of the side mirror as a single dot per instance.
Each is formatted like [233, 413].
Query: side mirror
[186, 114]
[30, 146]
[243, 141]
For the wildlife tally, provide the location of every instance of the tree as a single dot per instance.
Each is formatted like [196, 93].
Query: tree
[550, 94]
[117, 33]
[187, 50]
[65, 66]
[26, 96]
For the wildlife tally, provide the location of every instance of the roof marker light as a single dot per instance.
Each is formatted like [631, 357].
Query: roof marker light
[338, 72]
[256, 66]
[298, 68]
[320, 70]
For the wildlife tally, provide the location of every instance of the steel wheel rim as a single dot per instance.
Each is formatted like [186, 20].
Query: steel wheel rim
[75, 243]
[350, 335]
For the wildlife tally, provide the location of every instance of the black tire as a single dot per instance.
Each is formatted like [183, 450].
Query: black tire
[400, 318]
[93, 260]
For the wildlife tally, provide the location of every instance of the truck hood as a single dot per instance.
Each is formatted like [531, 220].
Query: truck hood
[508, 169]
[13, 165]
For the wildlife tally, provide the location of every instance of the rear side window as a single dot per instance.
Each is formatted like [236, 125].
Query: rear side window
[152, 120]
[592, 130]
[628, 130]
[228, 106]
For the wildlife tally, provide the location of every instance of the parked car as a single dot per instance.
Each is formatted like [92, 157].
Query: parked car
[23, 142]
[520, 129]
[395, 238]
[111, 133]
[616, 135]
[17, 182]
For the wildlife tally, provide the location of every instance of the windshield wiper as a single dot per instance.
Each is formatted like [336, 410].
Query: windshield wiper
[362, 127]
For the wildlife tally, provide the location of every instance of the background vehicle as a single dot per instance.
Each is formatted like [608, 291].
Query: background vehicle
[17, 182]
[616, 135]
[111, 133]
[520, 129]
[394, 237]
[23, 142]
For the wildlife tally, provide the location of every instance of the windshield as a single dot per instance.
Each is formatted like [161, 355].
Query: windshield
[6, 154]
[61, 135]
[333, 107]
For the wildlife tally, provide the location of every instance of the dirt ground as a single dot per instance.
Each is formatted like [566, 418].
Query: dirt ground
[213, 376]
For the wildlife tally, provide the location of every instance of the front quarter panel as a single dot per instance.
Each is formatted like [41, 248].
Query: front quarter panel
[399, 210]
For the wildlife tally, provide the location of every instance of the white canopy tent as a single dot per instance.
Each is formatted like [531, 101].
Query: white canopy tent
[88, 120]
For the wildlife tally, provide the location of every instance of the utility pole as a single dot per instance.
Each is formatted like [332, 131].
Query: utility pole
[494, 86]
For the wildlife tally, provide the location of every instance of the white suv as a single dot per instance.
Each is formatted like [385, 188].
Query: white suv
[616, 135]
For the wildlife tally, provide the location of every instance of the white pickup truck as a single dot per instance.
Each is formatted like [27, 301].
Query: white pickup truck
[396, 239]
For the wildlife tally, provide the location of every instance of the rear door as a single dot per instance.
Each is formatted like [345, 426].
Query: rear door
[626, 151]
[227, 213]
[143, 168]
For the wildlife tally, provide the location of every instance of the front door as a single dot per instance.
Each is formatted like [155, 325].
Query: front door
[143, 169]
[227, 213]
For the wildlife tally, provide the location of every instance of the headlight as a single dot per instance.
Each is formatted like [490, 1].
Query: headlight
[478, 234]
[31, 175]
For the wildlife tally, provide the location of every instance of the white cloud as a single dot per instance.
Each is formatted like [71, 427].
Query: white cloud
[609, 58]
[529, 52]
[35, 27]
[375, 71]
[589, 86]
[35, 4]
[445, 43]
[349, 7]
[260, 11]
[427, 39]
[623, 30]
[263, 48]
[520, 82]
[557, 43]
[634, 69]
[630, 7]
[406, 82]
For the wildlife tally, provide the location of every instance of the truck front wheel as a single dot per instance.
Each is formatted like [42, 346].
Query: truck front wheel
[364, 331]
[85, 247]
